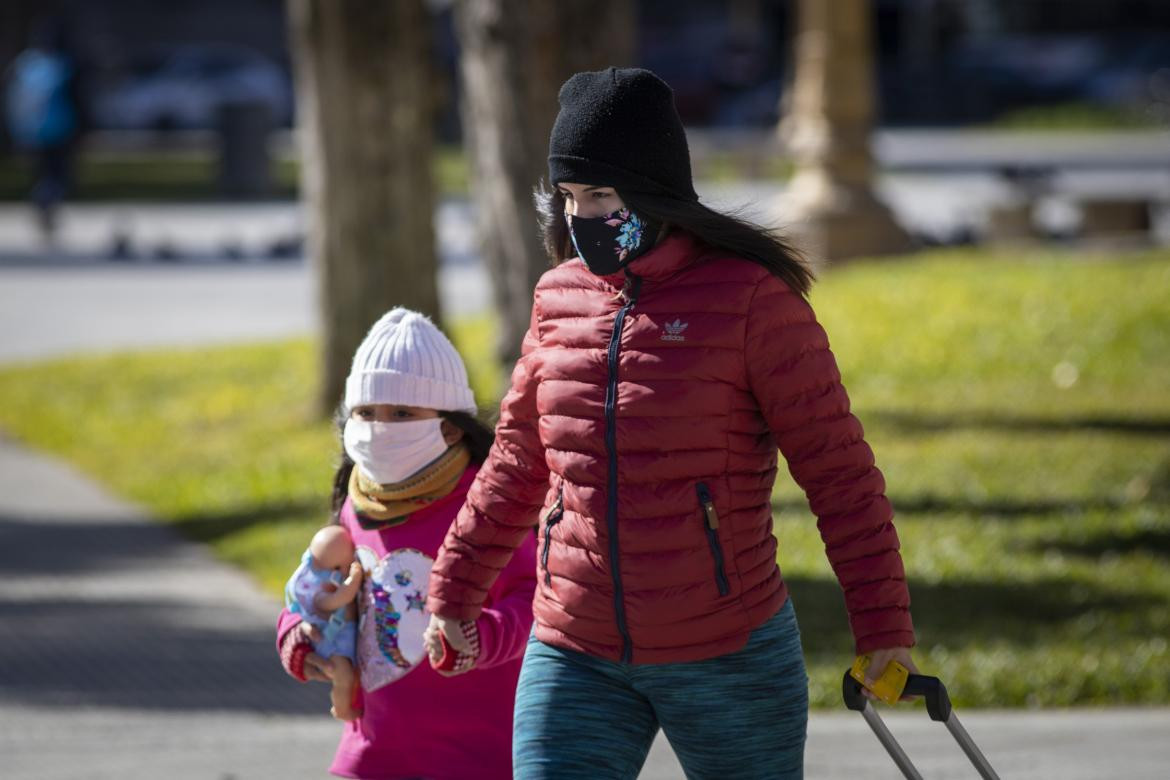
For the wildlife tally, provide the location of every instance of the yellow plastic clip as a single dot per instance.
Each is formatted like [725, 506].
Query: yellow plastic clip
[889, 686]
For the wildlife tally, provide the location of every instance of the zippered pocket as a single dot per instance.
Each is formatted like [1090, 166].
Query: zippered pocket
[711, 526]
[555, 513]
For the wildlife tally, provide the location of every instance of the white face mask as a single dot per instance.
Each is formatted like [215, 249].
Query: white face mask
[389, 452]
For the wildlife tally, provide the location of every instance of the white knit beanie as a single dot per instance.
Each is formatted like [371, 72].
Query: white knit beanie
[406, 360]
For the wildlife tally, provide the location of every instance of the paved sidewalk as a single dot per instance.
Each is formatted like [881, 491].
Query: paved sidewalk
[131, 653]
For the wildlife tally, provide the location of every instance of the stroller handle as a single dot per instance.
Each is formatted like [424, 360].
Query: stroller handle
[938, 703]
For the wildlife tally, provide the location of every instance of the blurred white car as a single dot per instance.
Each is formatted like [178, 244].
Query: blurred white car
[188, 87]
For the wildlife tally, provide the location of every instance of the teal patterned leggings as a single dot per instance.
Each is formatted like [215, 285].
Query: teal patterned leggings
[741, 715]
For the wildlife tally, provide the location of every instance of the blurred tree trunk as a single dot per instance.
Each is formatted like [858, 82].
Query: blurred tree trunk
[830, 207]
[365, 106]
[514, 57]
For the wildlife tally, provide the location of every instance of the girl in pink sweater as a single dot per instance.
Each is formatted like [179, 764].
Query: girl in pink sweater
[412, 448]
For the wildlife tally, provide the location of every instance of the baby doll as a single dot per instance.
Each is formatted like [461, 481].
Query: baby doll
[323, 595]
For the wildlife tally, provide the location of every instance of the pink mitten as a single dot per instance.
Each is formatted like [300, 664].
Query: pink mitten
[293, 649]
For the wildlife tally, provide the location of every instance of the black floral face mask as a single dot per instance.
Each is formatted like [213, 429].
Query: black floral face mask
[608, 243]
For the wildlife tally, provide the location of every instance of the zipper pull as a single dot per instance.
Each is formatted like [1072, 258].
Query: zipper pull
[552, 510]
[623, 294]
[709, 511]
[631, 288]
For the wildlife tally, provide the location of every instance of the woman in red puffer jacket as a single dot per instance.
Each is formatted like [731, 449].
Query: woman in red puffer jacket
[670, 353]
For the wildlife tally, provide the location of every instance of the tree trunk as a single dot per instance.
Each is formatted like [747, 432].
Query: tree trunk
[830, 208]
[365, 105]
[514, 57]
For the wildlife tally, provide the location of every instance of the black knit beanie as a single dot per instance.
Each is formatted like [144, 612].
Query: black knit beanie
[619, 128]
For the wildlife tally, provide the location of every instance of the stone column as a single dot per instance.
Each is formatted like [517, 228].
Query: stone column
[830, 209]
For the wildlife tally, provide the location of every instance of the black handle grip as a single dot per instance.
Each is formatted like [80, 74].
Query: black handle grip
[851, 692]
[931, 689]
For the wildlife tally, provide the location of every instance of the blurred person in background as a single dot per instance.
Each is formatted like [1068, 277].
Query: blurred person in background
[43, 109]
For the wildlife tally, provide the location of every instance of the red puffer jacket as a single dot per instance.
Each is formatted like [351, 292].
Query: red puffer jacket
[646, 423]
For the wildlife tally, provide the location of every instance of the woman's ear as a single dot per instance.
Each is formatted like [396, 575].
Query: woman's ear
[451, 432]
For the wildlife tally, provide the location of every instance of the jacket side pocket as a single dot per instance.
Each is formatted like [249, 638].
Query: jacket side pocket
[555, 513]
[711, 526]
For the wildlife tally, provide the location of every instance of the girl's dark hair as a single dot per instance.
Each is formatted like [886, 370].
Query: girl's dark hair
[476, 434]
[726, 232]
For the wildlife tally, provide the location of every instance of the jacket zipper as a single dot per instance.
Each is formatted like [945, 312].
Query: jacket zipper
[554, 516]
[711, 526]
[611, 518]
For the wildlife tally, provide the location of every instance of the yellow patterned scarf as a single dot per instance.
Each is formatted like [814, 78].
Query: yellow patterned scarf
[380, 506]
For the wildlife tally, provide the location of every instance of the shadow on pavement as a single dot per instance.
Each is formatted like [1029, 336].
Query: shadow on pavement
[152, 656]
[957, 507]
[918, 422]
[960, 613]
[127, 614]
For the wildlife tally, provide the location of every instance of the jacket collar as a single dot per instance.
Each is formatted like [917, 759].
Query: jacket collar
[678, 251]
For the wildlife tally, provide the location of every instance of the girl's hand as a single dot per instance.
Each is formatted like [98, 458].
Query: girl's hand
[456, 634]
[297, 656]
[316, 667]
[431, 641]
[451, 630]
[880, 659]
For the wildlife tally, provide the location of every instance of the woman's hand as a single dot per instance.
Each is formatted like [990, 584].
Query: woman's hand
[879, 660]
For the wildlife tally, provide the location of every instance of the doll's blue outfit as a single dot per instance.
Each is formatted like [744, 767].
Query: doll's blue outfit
[338, 634]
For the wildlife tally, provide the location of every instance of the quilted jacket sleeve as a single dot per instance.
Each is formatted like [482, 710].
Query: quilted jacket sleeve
[505, 625]
[795, 379]
[502, 505]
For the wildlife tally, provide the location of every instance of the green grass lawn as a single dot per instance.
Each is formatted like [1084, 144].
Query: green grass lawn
[1018, 403]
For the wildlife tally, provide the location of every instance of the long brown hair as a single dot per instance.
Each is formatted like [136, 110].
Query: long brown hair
[727, 232]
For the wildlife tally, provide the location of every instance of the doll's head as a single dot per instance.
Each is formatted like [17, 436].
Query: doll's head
[332, 548]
